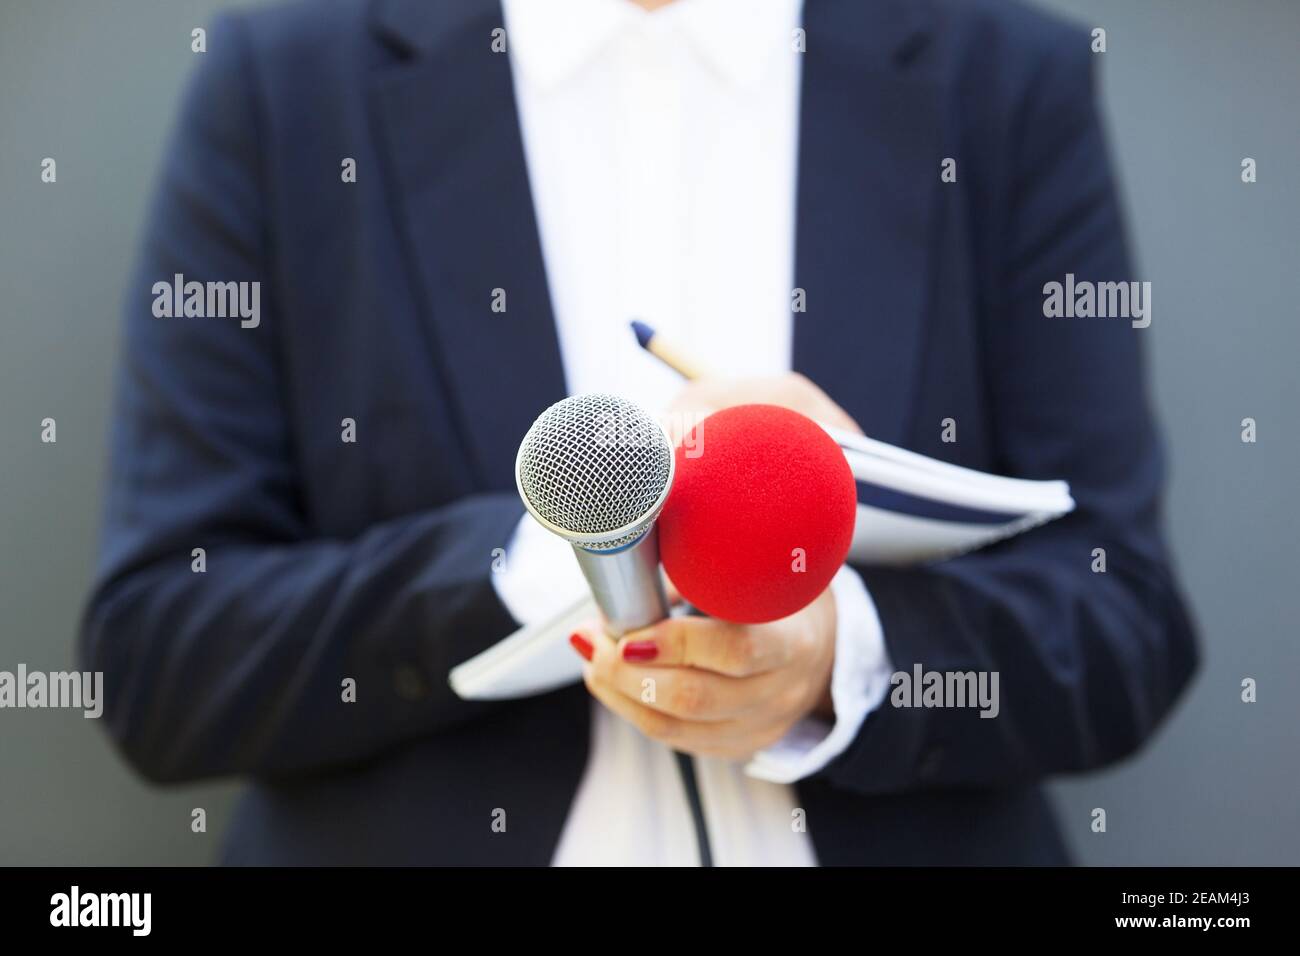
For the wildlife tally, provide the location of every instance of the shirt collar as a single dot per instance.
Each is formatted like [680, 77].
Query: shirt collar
[551, 40]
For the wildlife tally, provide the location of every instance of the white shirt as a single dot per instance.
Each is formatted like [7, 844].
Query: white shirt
[661, 151]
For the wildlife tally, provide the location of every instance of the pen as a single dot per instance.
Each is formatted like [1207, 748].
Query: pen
[653, 342]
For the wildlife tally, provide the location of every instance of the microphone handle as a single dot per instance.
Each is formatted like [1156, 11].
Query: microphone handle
[627, 585]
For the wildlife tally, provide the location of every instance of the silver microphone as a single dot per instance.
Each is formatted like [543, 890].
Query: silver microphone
[596, 470]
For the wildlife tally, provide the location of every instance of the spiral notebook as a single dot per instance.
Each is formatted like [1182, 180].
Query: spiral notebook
[911, 510]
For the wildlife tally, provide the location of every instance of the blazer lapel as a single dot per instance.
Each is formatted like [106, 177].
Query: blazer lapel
[446, 114]
[869, 166]
[868, 171]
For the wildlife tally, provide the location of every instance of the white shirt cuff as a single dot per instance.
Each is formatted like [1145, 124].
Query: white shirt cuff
[539, 576]
[859, 682]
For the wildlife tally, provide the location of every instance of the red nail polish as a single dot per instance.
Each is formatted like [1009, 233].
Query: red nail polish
[581, 645]
[640, 651]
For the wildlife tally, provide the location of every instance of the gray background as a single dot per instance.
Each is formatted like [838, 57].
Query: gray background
[1191, 87]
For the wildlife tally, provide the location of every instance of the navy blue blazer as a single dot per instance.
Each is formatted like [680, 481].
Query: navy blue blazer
[370, 560]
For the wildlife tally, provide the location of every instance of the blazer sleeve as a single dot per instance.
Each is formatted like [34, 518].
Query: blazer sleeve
[1088, 662]
[240, 667]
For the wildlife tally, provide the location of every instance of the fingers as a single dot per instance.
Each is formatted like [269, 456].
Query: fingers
[689, 709]
[729, 739]
[688, 693]
[697, 669]
[649, 721]
[699, 398]
[682, 692]
[691, 736]
[736, 650]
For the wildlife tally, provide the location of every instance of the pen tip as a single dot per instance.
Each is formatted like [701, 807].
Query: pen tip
[643, 332]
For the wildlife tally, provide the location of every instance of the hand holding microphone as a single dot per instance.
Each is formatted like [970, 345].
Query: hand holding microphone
[759, 519]
[714, 688]
[753, 521]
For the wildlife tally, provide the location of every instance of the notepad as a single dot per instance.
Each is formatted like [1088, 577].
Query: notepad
[913, 509]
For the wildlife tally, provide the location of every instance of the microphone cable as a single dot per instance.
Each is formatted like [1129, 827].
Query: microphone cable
[686, 764]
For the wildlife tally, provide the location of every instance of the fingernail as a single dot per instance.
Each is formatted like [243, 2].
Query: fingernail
[640, 651]
[581, 645]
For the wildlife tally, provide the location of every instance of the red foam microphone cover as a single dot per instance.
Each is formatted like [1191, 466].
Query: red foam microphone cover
[760, 516]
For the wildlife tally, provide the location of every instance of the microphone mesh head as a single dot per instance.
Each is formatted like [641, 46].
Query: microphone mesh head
[594, 464]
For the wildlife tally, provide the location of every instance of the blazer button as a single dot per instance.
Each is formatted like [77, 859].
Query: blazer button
[932, 762]
[410, 683]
